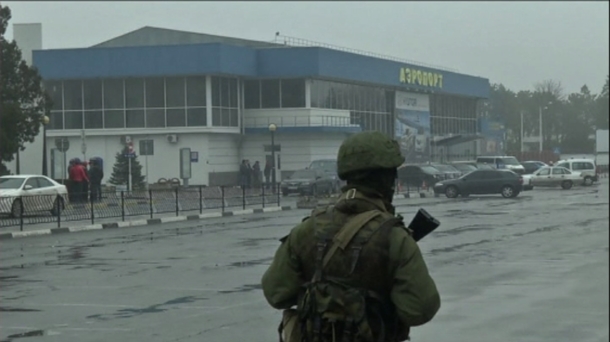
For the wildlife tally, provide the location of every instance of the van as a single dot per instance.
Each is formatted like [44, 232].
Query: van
[584, 167]
[503, 162]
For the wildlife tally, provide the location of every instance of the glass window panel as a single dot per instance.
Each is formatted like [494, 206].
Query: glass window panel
[134, 93]
[73, 96]
[195, 91]
[155, 118]
[216, 116]
[155, 93]
[293, 93]
[233, 93]
[54, 90]
[73, 120]
[56, 120]
[252, 96]
[270, 97]
[134, 118]
[216, 89]
[114, 97]
[93, 119]
[225, 92]
[196, 117]
[114, 118]
[234, 115]
[93, 94]
[176, 117]
[174, 92]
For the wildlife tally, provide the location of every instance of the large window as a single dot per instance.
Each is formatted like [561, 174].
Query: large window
[225, 109]
[140, 102]
[452, 115]
[288, 93]
[369, 107]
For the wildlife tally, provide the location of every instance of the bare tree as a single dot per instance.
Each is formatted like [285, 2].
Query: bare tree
[551, 88]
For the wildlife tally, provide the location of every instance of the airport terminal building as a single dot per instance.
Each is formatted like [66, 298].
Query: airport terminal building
[166, 90]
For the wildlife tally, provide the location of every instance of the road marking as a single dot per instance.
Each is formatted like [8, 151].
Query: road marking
[32, 233]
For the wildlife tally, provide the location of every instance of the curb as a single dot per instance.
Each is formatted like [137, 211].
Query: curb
[139, 223]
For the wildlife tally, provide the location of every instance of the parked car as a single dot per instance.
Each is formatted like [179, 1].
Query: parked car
[473, 163]
[329, 167]
[554, 176]
[582, 167]
[532, 166]
[307, 182]
[464, 168]
[414, 176]
[502, 162]
[482, 182]
[449, 172]
[35, 193]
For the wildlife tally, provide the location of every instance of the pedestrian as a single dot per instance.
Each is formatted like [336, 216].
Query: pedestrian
[352, 271]
[78, 178]
[96, 174]
[248, 174]
[267, 172]
[256, 175]
[243, 174]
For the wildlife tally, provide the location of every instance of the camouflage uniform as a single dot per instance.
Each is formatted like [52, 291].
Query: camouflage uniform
[352, 270]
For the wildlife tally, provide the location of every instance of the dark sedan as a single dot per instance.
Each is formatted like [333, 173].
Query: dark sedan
[414, 176]
[464, 168]
[308, 182]
[482, 182]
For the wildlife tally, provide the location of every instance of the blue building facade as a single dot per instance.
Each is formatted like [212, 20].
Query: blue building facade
[139, 85]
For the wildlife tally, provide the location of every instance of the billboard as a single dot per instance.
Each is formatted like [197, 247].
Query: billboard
[412, 126]
[601, 141]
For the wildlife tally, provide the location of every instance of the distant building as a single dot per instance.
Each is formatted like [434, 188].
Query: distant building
[165, 90]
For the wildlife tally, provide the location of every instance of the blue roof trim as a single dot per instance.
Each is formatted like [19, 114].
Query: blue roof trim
[218, 58]
[304, 129]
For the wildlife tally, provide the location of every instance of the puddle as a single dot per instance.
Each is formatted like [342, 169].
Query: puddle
[244, 288]
[9, 309]
[250, 262]
[157, 308]
[32, 333]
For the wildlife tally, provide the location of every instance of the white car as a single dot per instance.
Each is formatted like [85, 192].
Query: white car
[35, 193]
[585, 168]
[553, 176]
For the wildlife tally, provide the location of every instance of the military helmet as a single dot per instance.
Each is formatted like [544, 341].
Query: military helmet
[368, 150]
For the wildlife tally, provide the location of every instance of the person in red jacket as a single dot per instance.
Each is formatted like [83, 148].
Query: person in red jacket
[79, 179]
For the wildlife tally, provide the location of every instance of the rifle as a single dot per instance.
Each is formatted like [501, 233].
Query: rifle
[423, 224]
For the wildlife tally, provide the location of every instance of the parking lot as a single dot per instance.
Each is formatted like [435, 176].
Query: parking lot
[531, 268]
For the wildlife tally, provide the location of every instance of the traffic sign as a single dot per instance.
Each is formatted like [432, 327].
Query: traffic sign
[62, 144]
[131, 153]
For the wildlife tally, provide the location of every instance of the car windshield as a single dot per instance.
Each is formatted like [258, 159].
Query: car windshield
[303, 174]
[445, 168]
[11, 183]
[429, 169]
[484, 167]
[509, 161]
[325, 165]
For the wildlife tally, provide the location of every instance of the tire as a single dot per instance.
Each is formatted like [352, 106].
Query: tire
[508, 191]
[452, 192]
[566, 185]
[16, 209]
[58, 206]
[588, 181]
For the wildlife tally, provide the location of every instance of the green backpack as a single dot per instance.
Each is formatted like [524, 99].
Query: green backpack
[331, 309]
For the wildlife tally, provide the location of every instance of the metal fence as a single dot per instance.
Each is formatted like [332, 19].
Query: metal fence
[36, 209]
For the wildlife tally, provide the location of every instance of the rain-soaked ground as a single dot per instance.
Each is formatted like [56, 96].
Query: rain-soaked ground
[533, 268]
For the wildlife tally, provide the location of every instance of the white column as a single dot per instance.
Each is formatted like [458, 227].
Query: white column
[208, 100]
[307, 93]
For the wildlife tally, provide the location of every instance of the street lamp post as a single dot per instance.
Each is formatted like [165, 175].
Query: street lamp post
[540, 108]
[45, 123]
[272, 128]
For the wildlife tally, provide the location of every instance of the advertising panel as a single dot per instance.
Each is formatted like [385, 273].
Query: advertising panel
[412, 128]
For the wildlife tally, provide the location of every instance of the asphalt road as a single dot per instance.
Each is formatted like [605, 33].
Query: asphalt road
[534, 268]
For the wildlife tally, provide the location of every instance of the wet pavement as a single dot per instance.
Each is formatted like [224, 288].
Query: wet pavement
[534, 268]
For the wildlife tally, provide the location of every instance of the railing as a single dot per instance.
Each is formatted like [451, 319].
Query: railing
[301, 121]
[26, 210]
[292, 41]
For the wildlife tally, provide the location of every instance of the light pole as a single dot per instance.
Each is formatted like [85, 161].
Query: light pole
[272, 128]
[522, 131]
[45, 123]
[540, 122]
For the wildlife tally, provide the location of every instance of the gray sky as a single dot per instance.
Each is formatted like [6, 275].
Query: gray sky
[517, 44]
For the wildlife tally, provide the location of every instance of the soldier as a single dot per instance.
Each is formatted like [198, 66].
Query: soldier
[352, 270]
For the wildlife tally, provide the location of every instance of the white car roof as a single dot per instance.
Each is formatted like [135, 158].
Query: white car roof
[579, 160]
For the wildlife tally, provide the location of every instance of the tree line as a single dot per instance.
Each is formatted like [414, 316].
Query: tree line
[569, 121]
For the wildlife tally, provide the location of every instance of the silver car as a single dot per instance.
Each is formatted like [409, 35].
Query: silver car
[554, 176]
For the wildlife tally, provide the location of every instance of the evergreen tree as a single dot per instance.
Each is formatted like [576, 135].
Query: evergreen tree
[120, 171]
